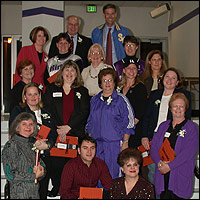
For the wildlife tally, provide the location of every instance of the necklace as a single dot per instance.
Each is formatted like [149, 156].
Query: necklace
[91, 74]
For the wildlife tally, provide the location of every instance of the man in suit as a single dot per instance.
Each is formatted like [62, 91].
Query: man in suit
[81, 44]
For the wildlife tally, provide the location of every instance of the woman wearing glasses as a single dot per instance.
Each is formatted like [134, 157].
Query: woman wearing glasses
[111, 120]
[90, 74]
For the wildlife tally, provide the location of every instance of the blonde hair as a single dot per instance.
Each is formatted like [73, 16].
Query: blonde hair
[24, 103]
[96, 45]
[178, 95]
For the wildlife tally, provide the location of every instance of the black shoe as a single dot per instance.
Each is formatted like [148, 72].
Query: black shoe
[52, 194]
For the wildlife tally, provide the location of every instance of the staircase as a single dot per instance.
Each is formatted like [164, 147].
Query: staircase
[4, 139]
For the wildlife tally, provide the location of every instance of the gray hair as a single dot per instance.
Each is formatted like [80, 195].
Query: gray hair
[79, 20]
[23, 116]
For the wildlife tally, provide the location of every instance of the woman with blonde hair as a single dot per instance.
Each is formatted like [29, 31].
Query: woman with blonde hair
[32, 103]
[90, 74]
[154, 68]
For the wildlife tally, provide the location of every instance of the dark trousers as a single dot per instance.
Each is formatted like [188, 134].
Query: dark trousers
[44, 183]
[57, 165]
[168, 194]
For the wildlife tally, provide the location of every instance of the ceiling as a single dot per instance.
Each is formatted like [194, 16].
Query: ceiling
[101, 3]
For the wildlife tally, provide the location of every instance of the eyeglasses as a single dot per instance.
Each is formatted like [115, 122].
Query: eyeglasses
[96, 53]
[158, 60]
[107, 80]
[130, 45]
[180, 107]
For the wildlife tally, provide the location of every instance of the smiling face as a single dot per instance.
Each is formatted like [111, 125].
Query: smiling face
[178, 108]
[25, 127]
[130, 71]
[73, 25]
[131, 168]
[69, 74]
[32, 97]
[40, 38]
[170, 80]
[110, 16]
[27, 73]
[107, 85]
[96, 55]
[87, 152]
[130, 48]
[63, 46]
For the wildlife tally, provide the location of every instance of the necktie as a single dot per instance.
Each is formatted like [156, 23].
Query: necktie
[109, 48]
[71, 45]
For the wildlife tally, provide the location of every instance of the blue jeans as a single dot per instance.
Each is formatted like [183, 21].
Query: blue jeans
[151, 173]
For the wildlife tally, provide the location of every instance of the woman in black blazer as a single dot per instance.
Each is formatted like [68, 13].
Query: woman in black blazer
[69, 103]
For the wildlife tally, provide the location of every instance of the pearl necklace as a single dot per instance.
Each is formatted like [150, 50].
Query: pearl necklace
[93, 77]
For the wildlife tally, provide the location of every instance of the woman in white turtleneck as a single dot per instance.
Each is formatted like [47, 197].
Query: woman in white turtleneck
[90, 74]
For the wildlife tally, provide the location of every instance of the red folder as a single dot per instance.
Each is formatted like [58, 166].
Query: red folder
[43, 132]
[146, 155]
[52, 78]
[65, 149]
[91, 193]
[166, 152]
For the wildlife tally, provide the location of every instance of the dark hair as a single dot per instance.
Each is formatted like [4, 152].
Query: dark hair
[86, 138]
[128, 153]
[23, 64]
[178, 95]
[78, 80]
[64, 36]
[20, 117]
[32, 84]
[106, 71]
[109, 6]
[180, 82]
[33, 33]
[130, 38]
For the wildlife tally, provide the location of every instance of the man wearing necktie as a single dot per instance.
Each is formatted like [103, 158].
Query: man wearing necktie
[113, 39]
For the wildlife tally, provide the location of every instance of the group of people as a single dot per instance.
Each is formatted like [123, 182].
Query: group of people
[113, 106]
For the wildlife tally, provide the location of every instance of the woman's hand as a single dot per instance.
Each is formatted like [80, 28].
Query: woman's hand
[62, 132]
[163, 166]
[124, 145]
[38, 170]
[41, 144]
[145, 143]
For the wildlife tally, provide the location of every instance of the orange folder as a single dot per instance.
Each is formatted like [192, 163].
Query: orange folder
[43, 132]
[166, 152]
[91, 193]
[65, 149]
[52, 79]
[146, 155]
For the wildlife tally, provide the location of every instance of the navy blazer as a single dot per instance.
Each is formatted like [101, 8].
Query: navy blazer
[81, 48]
[49, 122]
[53, 102]
[152, 111]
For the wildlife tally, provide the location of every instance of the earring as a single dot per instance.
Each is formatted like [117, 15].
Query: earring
[101, 58]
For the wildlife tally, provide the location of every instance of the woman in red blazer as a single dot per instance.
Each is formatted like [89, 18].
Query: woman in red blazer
[36, 54]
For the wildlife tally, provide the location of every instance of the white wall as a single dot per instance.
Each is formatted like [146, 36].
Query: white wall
[184, 40]
[137, 20]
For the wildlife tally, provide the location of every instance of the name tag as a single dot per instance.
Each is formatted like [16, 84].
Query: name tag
[57, 94]
[167, 134]
[145, 154]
